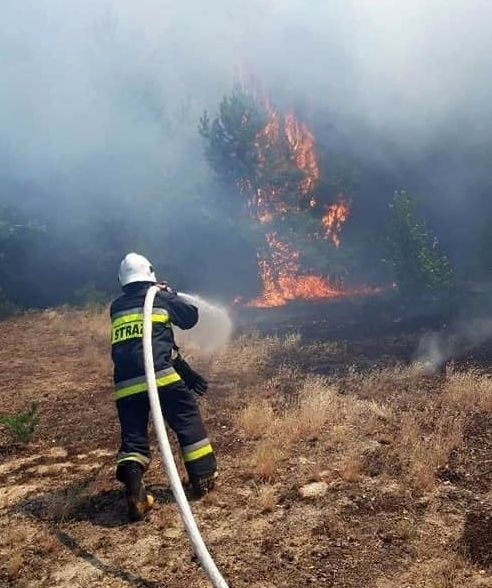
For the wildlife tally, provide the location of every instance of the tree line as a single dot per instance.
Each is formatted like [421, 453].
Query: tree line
[42, 264]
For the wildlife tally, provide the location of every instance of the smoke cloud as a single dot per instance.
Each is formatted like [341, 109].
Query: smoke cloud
[436, 348]
[99, 103]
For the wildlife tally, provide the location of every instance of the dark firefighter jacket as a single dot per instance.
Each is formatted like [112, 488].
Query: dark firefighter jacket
[127, 337]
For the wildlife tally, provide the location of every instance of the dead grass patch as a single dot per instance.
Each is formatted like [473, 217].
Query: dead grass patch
[47, 542]
[317, 407]
[265, 461]
[448, 571]
[255, 420]
[267, 498]
[380, 384]
[14, 565]
[340, 433]
[284, 386]
[292, 407]
[86, 332]
[432, 415]
[350, 467]
[16, 539]
[315, 473]
[468, 392]
[253, 357]
[316, 411]
[423, 452]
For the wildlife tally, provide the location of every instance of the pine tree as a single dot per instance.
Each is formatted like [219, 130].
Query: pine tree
[413, 252]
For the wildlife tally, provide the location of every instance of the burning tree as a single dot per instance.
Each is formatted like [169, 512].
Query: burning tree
[269, 163]
[414, 253]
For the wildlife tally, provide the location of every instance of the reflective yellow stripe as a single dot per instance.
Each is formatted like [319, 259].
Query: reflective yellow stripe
[201, 452]
[131, 318]
[137, 388]
[141, 460]
[130, 326]
[127, 318]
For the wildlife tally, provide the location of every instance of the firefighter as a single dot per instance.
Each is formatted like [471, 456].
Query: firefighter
[178, 403]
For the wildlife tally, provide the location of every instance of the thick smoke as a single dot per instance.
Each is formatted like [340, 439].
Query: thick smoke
[435, 349]
[99, 103]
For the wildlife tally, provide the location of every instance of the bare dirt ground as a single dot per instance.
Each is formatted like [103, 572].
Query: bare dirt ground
[340, 466]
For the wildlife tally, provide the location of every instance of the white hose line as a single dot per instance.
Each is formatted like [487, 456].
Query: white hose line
[197, 542]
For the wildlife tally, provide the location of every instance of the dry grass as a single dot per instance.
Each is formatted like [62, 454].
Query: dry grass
[312, 411]
[94, 346]
[47, 542]
[468, 392]
[291, 407]
[283, 387]
[447, 571]
[350, 467]
[255, 420]
[422, 451]
[252, 355]
[378, 446]
[304, 417]
[14, 565]
[16, 538]
[381, 384]
[265, 461]
[423, 427]
[267, 498]
[316, 407]
[340, 433]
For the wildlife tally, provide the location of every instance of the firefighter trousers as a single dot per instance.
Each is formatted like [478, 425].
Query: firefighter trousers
[181, 412]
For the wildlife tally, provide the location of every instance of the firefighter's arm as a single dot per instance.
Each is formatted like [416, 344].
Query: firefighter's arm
[181, 313]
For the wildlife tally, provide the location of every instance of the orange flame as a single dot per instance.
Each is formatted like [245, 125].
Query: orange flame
[333, 219]
[278, 264]
[282, 280]
[302, 145]
[267, 202]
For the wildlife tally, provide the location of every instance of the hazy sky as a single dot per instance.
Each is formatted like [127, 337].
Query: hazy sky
[101, 88]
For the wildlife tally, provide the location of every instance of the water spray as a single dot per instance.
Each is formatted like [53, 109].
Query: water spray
[191, 527]
[213, 330]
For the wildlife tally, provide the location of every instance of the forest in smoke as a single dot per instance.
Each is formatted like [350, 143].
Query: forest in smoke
[103, 148]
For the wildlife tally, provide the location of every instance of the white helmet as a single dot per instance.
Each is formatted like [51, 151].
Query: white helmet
[136, 268]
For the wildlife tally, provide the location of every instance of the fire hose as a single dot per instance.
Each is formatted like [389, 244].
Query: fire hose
[191, 527]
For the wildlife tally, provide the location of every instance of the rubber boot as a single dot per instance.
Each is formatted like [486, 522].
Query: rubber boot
[138, 501]
[203, 485]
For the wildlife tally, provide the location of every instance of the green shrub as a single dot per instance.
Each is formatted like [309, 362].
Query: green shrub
[413, 252]
[21, 426]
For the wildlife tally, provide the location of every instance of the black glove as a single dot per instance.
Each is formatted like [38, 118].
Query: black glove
[192, 379]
